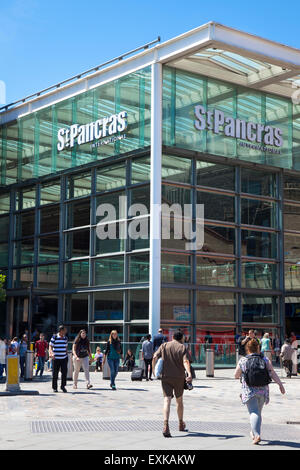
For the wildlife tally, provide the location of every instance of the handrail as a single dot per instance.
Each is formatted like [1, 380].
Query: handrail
[78, 76]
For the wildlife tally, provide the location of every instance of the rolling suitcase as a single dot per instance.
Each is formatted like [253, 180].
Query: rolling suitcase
[137, 374]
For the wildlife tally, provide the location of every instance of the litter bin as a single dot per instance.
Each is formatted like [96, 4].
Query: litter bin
[29, 365]
[70, 366]
[106, 370]
[210, 363]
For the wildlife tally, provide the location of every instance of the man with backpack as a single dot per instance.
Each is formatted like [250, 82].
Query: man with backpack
[256, 372]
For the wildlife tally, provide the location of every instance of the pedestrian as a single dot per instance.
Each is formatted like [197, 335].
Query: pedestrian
[41, 348]
[58, 349]
[276, 347]
[287, 354]
[265, 346]
[13, 347]
[251, 335]
[23, 346]
[99, 359]
[147, 356]
[158, 340]
[255, 393]
[241, 345]
[3, 350]
[129, 360]
[113, 354]
[82, 358]
[175, 368]
[294, 344]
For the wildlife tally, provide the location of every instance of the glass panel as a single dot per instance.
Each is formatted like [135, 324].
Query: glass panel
[214, 175]
[174, 232]
[111, 177]
[49, 219]
[140, 170]
[138, 233]
[175, 268]
[25, 224]
[291, 217]
[109, 271]
[216, 306]
[261, 213]
[79, 185]
[215, 272]
[4, 203]
[4, 228]
[22, 277]
[292, 247]
[44, 141]
[114, 242]
[141, 196]
[50, 193]
[292, 276]
[77, 274]
[260, 309]
[78, 214]
[102, 332]
[26, 198]
[139, 304]
[4, 254]
[118, 208]
[257, 182]
[49, 249]
[217, 207]
[12, 146]
[176, 305]
[76, 308]
[139, 268]
[259, 244]
[172, 195]
[108, 305]
[24, 252]
[78, 244]
[26, 147]
[219, 240]
[176, 169]
[291, 187]
[48, 276]
[259, 275]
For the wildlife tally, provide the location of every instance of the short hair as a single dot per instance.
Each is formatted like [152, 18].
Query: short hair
[148, 337]
[160, 330]
[266, 335]
[252, 346]
[178, 335]
[61, 327]
[287, 341]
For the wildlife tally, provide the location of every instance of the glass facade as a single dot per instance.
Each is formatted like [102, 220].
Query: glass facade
[60, 207]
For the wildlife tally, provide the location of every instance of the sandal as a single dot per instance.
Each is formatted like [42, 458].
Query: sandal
[182, 426]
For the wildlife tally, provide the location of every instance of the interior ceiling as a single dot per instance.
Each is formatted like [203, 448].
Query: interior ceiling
[252, 72]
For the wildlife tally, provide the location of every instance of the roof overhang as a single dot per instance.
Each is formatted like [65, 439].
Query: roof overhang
[213, 50]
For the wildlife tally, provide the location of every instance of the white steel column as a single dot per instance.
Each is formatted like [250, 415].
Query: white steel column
[155, 199]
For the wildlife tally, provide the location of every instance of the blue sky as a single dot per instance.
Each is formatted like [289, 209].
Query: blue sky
[46, 41]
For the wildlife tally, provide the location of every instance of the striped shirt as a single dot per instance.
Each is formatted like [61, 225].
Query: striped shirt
[59, 345]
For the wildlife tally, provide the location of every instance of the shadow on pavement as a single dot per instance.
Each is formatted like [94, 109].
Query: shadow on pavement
[221, 436]
[294, 445]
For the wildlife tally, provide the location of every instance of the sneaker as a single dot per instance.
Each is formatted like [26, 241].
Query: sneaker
[113, 387]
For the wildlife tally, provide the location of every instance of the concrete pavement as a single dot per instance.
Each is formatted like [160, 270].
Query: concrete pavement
[131, 417]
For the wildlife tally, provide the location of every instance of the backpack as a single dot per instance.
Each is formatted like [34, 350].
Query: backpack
[256, 373]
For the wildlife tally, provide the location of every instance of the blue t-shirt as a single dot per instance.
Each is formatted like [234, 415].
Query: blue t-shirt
[22, 348]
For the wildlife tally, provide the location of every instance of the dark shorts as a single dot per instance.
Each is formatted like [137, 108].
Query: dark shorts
[170, 385]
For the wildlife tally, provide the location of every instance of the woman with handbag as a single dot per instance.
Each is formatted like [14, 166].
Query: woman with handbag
[82, 357]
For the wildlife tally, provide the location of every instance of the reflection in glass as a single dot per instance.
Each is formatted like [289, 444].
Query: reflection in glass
[77, 274]
[78, 214]
[261, 213]
[108, 305]
[215, 272]
[258, 182]
[214, 175]
[259, 244]
[175, 268]
[79, 185]
[78, 244]
[48, 276]
[259, 275]
[259, 309]
[176, 169]
[109, 271]
[217, 206]
[140, 170]
[49, 219]
[111, 177]
[139, 304]
[50, 192]
[139, 268]
[216, 306]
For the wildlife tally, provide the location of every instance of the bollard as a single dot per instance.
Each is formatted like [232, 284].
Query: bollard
[12, 370]
[29, 365]
[106, 370]
[210, 362]
[70, 366]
